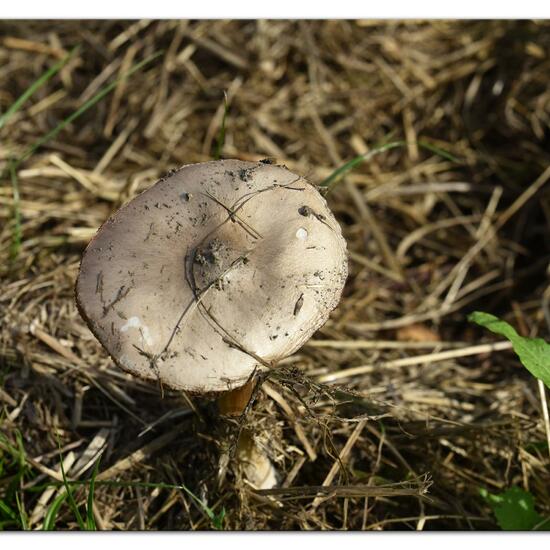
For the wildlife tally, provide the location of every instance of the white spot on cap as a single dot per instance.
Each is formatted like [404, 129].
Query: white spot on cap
[134, 322]
[301, 234]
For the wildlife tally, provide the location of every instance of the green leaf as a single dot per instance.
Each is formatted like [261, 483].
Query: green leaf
[534, 353]
[514, 510]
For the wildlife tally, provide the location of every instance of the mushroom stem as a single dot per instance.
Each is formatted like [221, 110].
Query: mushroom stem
[234, 402]
[253, 461]
[255, 464]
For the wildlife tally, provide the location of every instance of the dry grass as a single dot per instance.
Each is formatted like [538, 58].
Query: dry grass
[393, 397]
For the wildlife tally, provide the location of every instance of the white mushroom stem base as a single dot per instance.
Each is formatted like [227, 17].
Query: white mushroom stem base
[256, 467]
[252, 464]
[252, 461]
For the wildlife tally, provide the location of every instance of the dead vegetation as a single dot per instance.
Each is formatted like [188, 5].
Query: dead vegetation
[398, 411]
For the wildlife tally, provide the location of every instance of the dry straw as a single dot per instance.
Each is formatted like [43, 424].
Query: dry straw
[408, 440]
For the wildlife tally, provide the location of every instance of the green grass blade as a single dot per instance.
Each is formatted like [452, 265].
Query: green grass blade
[221, 135]
[13, 165]
[51, 514]
[35, 86]
[72, 502]
[17, 456]
[328, 184]
[7, 511]
[21, 451]
[18, 465]
[438, 151]
[86, 106]
[22, 514]
[216, 520]
[90, 521]
[17, 232]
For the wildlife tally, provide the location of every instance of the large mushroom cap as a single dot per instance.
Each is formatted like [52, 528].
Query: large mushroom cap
[217, 269]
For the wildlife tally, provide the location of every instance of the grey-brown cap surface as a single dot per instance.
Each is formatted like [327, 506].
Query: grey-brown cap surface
[218, 269]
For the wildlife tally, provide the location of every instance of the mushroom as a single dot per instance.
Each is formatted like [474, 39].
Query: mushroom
[219, 270]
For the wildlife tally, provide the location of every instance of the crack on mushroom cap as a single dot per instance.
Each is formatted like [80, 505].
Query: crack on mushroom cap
[207, 297]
